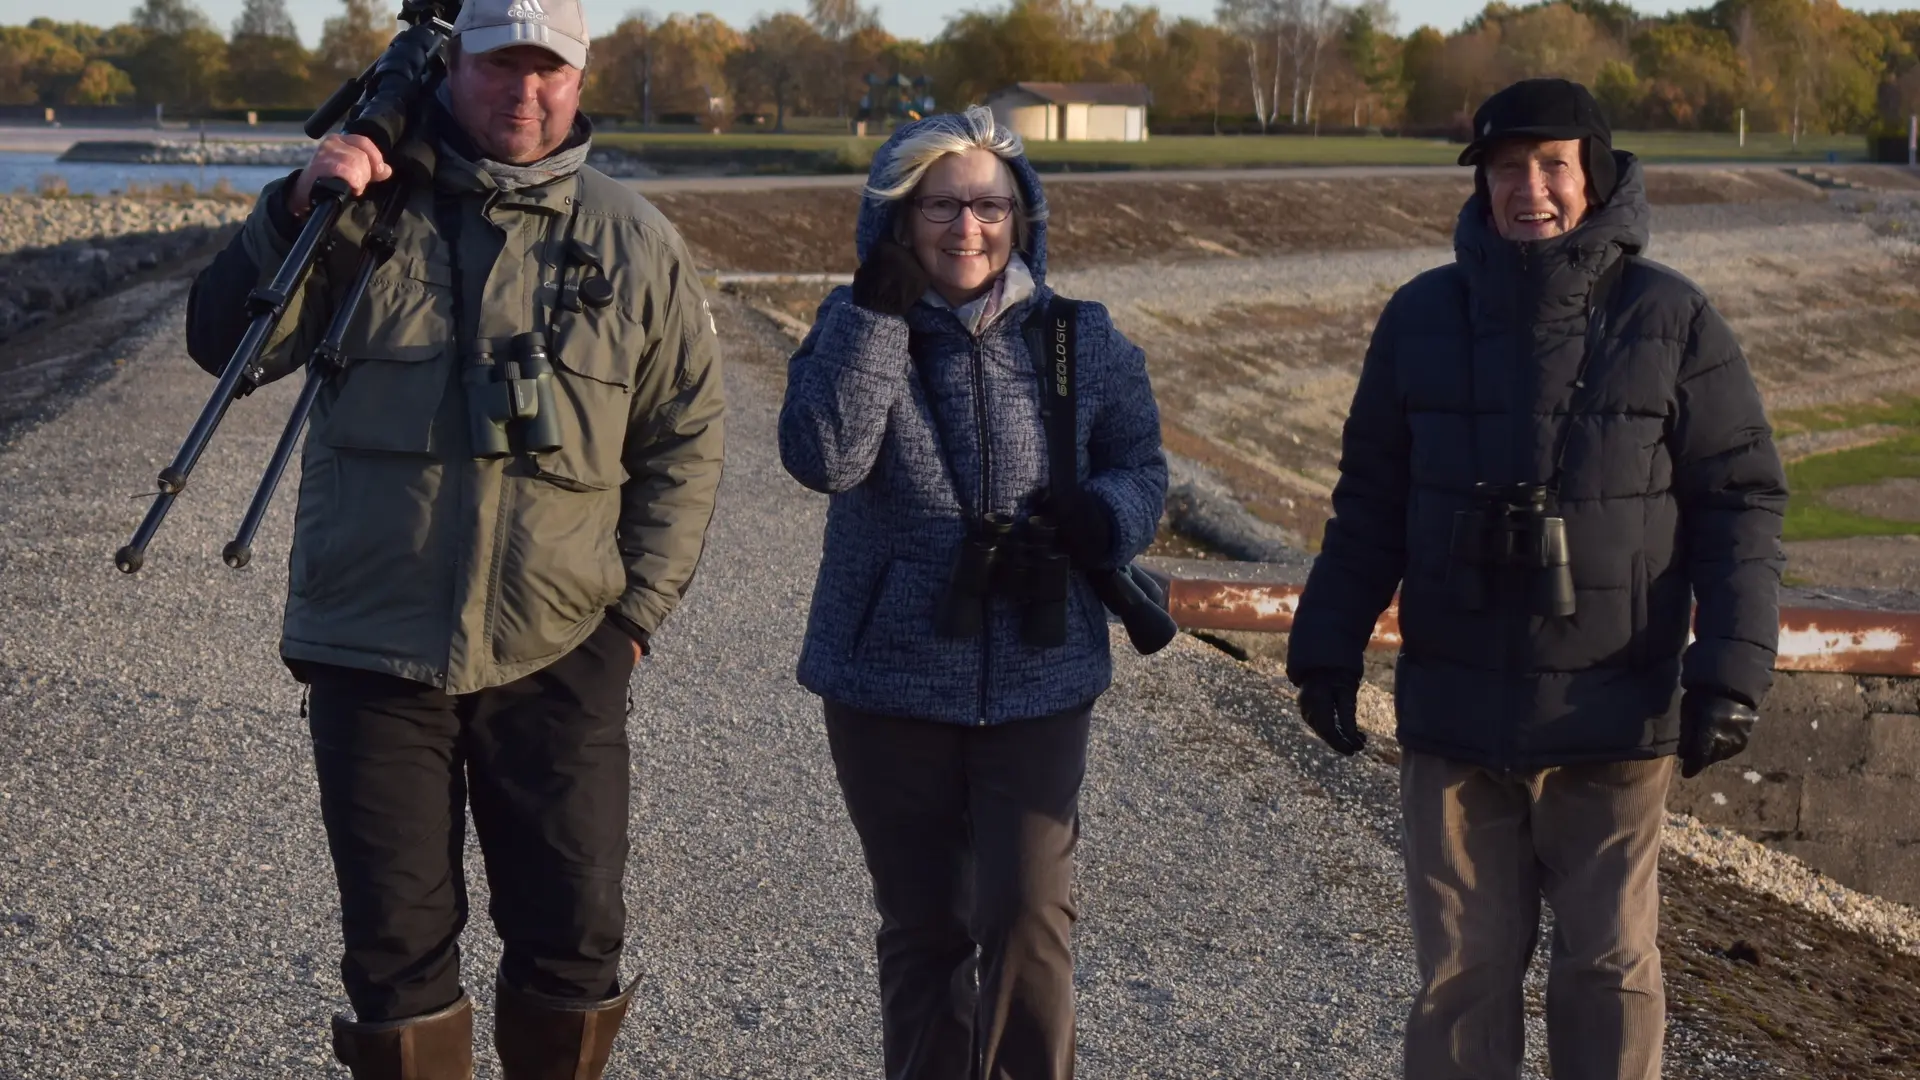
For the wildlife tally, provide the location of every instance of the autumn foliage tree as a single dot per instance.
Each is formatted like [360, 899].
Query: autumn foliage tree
[266, 64]
[1794, 66]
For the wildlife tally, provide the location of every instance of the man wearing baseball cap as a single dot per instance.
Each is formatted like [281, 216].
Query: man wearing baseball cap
[1558, 455]
[505, 491]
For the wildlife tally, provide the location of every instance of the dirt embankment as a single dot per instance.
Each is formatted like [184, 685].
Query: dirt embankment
[1255, 299]
[1120, 222]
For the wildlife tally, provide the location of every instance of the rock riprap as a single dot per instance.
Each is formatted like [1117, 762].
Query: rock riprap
[190, 152]
[56, 254]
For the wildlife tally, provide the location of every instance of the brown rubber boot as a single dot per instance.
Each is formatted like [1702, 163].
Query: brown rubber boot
[437, 1046]
[543, 1039]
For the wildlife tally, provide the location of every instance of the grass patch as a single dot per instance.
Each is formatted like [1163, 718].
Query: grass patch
[1903, 412]
[1678, 146]
[1247, 151]
[640, 140]
[1809, 517]
[1243, 151]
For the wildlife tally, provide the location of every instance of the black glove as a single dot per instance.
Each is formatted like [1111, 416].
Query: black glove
[1713, 728]
[891, 281]
[1330, 703]
[1086, 530]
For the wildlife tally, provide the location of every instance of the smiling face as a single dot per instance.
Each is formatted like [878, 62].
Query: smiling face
[963, 256]
[517, 103]
[1538, 189]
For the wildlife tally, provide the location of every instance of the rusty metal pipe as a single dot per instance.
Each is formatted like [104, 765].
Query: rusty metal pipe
[1258, 598]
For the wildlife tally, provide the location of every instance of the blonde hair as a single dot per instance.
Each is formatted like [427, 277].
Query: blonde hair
[918, 152]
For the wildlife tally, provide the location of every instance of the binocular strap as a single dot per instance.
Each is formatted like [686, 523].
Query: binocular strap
[1597, 311]
[1052, 340]
[446, 215]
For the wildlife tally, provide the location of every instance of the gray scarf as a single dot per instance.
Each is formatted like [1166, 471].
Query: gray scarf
[561, 163]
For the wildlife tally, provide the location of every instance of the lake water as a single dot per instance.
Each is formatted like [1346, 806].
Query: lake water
[23, 171]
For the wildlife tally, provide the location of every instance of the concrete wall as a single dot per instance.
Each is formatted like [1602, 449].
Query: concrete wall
[1832, 777]
[1037, 121]
[1073, 124]
[1027, 116]
[1112, 122]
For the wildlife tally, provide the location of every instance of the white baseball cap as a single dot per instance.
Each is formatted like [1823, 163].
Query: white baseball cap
[558, 26]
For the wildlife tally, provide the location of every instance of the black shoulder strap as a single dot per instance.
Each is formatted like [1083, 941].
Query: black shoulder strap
[1598, 309]
[446, 217]
[1052, 339]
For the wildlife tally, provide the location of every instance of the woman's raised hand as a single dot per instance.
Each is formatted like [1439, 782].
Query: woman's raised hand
[891, 281]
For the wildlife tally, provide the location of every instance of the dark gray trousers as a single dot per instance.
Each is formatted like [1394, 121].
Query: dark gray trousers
[543, 763]
[969, 835]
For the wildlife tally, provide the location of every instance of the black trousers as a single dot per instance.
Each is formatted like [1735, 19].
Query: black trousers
[969, 835]
[542, 762]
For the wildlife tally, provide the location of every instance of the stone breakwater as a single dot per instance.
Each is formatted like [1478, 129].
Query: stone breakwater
[56, 254]
[190, 152]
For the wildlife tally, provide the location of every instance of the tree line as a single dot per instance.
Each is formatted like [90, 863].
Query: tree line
[1258, 65]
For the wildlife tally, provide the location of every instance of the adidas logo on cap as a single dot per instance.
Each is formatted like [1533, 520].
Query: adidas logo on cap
[558, 26]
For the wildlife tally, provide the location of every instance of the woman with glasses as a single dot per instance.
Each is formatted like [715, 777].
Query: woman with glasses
[954, 638]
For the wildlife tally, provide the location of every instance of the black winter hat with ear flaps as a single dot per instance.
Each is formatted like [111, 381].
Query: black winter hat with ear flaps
[1548, 109]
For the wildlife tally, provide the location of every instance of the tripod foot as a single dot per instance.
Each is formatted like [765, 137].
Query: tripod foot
[237, 554]
[129, 559]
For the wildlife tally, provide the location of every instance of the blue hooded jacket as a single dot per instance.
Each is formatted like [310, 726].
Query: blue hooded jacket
[890, 416]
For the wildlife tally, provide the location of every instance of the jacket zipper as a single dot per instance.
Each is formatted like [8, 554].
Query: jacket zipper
[1517, 632]
[986, 488]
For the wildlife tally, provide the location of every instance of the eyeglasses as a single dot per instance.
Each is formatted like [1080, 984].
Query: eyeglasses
[987, 210]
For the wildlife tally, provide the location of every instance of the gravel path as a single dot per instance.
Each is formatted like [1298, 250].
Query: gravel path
[166, 908]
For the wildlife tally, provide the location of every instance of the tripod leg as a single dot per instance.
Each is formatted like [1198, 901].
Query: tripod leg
[242, 369]
[321, 367]
[239, 550]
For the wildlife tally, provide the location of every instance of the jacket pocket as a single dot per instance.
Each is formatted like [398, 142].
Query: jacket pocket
[314, 521]
[398, 354]
[899, 648]
[368, 557]
[561, 566]
[594, 355]
[867, 610]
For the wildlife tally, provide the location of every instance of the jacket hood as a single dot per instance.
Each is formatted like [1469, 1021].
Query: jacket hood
[1615, 228]
[876, 215]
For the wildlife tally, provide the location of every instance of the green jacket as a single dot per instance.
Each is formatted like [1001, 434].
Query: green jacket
[409, 556]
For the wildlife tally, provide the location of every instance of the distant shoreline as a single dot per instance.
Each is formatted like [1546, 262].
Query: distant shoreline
[185, 152]
[44, 139]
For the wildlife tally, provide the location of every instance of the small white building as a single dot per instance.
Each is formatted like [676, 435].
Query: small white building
[1044, 111]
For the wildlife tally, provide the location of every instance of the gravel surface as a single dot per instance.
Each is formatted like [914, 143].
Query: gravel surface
[28, 221]
[166, 908]
[1784, 877]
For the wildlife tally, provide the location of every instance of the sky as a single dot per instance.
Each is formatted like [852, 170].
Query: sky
[904, 18]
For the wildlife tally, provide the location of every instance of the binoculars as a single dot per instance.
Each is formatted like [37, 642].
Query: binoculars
[1511, 527]
[511, 394]
[1028, 567]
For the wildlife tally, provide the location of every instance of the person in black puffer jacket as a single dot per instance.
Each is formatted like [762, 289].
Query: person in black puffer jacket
[1554, 380]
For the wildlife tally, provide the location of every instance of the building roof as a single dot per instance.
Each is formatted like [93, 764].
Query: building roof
[1085, 93]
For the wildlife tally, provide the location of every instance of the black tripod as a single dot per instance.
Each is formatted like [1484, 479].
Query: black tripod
[379, 104]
